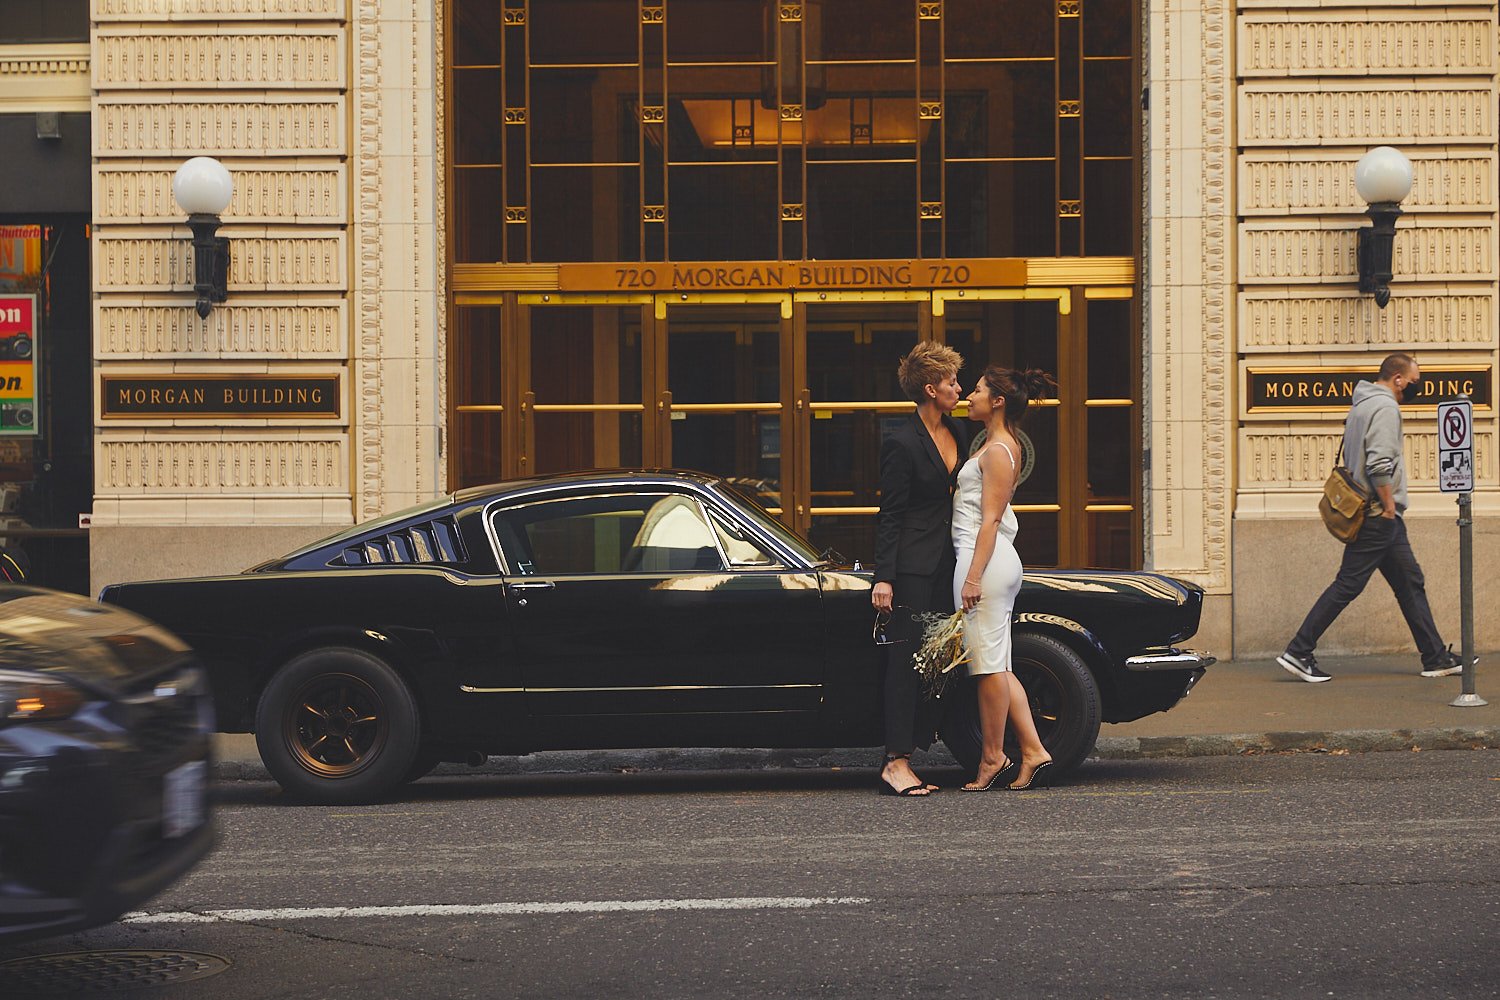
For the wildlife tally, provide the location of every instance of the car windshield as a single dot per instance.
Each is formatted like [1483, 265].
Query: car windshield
[750, 508]
[368, 526]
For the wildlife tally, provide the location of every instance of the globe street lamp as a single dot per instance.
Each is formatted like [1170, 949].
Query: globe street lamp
[203, 188]
[1383, 178]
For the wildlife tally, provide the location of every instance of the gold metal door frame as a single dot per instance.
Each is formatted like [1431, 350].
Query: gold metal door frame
[518, 405]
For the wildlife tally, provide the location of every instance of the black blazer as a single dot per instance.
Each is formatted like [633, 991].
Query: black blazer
[912, 531]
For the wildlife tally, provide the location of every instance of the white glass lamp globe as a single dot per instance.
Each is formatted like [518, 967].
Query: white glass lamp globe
[1383, 175]
[202, 186]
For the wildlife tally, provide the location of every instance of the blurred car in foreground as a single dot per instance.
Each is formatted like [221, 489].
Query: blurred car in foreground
[610, 610]
[105, 737]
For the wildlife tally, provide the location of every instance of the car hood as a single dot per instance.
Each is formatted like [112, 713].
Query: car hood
[93, 644]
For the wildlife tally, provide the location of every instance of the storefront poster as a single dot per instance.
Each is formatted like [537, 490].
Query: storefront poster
[20, 252]
[18, 381]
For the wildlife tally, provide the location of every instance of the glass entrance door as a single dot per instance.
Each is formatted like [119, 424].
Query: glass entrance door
[723, 395]
[792, 399]
[584, 390]
[853, 401]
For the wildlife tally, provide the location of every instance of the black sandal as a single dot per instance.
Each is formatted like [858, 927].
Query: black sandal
[911, 791]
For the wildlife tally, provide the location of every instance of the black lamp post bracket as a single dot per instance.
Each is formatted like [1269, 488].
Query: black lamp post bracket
[210, 262]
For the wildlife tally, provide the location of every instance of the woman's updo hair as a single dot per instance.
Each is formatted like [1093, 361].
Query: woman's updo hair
[1018, 388]
[927, 364]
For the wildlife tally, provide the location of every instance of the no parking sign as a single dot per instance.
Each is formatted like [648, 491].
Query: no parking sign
[1455, 447]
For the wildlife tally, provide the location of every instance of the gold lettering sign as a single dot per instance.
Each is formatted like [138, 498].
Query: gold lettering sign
[794, 276]
[165, 397]
[1284, 389]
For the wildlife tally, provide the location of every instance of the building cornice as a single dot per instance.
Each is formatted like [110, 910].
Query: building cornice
[44, 77]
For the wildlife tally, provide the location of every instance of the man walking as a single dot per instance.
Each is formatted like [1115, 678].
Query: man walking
[1373, 452]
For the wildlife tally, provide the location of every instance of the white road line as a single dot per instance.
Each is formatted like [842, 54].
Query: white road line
[492, 909]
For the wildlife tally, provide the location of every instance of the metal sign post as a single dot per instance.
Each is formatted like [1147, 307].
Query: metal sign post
[1456, 475]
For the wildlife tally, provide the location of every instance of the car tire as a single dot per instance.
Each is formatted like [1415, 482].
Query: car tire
[337, 726]
[423, 764]
[1064, 702]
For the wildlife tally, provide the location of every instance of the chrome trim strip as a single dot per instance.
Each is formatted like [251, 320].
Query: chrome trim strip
[468, 689]
[676, 687]
[1177, 659]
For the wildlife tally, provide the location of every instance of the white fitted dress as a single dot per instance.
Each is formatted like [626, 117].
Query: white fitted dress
[987, 627]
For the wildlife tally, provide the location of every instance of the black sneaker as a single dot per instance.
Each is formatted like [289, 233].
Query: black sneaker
[1304, 667]
[1446, 665]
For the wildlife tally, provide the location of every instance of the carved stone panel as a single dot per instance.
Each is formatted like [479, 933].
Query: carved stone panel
[1446, 43]
[1282, 320]
[210, 464]
[1321, 183]
[152, 260]
[1425, 249]
[1300, 458]
[302, 327]
[217, 57]
[263, 192]
[218, 10]
[1425, 112]
[231, 125]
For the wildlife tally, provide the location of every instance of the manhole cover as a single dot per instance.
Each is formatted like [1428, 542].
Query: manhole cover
[104, 972]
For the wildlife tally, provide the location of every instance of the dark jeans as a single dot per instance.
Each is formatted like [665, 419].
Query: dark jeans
[1381, 544]
[907, 713]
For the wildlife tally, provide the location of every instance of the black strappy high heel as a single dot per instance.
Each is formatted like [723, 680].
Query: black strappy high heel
[1005, 769]
[1031, 780]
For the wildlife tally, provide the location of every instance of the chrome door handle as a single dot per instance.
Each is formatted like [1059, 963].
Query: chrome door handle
[532, 585]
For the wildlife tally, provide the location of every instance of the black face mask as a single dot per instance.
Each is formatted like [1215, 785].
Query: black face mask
[1409, 393]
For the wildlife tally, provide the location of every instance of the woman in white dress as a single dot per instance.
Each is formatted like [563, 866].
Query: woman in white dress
[987, 576]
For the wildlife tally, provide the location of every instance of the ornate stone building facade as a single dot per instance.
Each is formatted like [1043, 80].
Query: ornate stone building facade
[332, 116]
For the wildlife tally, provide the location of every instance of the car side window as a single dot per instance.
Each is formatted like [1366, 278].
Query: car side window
[637, 533]
[744, 552]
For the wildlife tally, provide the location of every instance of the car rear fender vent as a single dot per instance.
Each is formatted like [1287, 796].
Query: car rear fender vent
[435, 541]
[104, 973]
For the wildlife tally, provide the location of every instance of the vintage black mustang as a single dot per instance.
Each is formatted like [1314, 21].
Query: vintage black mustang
[610, 610]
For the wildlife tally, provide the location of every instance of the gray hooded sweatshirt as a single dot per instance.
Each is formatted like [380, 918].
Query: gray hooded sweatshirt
[1373, 443]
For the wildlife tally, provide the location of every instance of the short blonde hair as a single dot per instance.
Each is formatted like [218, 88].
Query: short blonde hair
[927, 364]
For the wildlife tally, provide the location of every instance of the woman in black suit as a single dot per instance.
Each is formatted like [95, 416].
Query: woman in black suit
[914, 559]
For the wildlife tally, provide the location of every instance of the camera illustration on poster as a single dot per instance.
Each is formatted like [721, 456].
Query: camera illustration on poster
[18, 382]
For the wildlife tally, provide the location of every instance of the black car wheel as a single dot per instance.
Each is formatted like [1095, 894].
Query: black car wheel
[1064, 703]
[338, 726]
[423, 764]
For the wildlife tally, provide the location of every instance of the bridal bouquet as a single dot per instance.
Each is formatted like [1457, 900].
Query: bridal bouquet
[941, 650]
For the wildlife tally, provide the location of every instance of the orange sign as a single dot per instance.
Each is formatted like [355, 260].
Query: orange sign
[20, 252]
[795, 276]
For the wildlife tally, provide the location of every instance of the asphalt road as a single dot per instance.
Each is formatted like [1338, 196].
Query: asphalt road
[1374, 875]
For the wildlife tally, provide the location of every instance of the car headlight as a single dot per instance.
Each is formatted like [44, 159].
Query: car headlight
[26, 697]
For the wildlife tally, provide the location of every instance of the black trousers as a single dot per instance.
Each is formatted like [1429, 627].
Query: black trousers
[910, 718]
[1381, 544]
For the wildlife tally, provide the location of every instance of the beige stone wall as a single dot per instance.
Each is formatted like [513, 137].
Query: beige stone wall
[1190, 286]
[323, 111]
[1319, 85]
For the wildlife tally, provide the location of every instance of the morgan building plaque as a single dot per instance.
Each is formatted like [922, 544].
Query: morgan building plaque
[178, 396]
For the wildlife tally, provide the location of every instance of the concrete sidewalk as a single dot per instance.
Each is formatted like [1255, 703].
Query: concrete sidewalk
[1249, 706]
